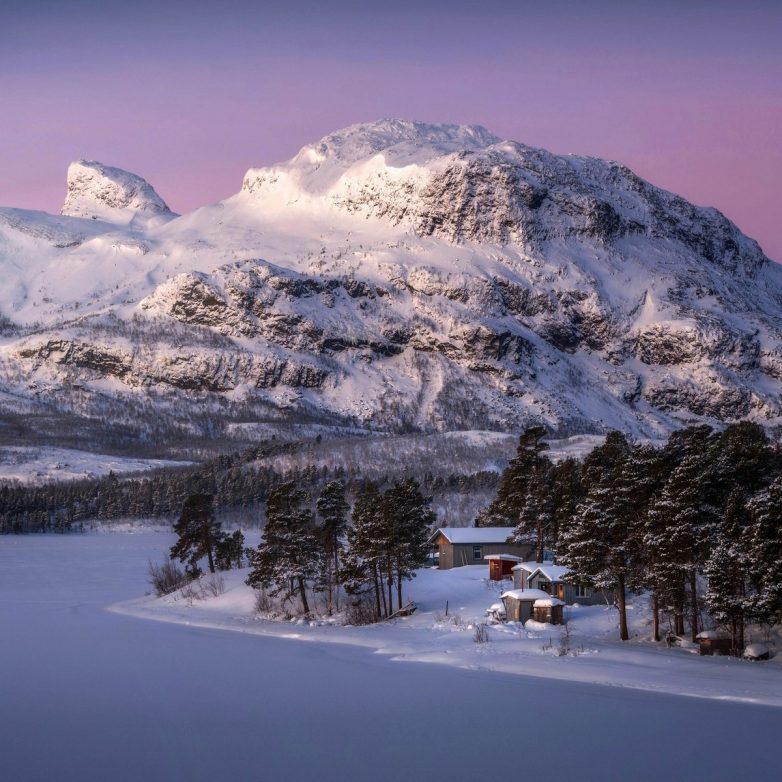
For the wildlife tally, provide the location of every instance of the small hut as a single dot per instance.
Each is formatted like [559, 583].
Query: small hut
[501, 566]
[549, 610]
[711, 642]
[519, 603]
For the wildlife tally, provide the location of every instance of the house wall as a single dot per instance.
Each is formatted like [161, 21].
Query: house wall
[446, 556]
[517, 610]
[460, 554]
[597, 596]
[520, 579]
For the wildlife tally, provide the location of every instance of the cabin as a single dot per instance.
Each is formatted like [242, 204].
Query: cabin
[459, 546]
[712, 642]
[520, 603]
[501, 566]
[550, 610]
[550, 578]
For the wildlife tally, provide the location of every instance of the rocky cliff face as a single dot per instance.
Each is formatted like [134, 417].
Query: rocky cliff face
[399, 276]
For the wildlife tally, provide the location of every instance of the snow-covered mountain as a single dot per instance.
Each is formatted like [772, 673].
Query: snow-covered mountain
[398, 276]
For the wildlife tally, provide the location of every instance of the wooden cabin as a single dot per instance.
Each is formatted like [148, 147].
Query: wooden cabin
[520, 603]
[712, 642]
[459, 546]
[550, 610]
[501, 566]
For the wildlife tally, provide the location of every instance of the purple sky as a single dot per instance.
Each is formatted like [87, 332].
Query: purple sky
[191, 94]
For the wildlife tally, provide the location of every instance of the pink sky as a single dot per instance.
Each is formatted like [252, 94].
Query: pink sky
[190, 95]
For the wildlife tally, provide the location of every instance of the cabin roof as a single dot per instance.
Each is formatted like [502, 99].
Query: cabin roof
[504, 557]
[548, 602]
[467, 535]
[551, 572]
[525, 595]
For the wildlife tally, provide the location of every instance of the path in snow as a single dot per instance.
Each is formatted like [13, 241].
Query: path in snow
[92, 695]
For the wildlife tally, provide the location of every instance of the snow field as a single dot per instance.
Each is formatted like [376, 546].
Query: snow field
[590, 654]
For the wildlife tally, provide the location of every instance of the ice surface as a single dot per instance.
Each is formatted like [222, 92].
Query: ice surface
[89, 695]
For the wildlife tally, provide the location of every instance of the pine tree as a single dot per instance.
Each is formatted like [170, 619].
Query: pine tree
[199, 532]
[362, 564]
[512, 491]
[229, 551]
[727, 570]
[408, 517]
[763, 547]
[333, 511]
[289, 553]
[600, 546]
[681, 522]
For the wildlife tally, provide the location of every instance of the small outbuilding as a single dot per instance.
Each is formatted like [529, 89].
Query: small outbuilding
[458, 546]
[712, 642]
[520, 603]
[501, 565]
[549, 610]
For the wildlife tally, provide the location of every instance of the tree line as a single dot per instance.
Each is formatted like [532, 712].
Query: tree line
[368, 553]
[239, 485]
[697, 522]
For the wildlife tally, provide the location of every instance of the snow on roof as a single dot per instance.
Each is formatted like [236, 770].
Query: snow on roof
[547, 569]
[710, 635]
[530, 567]
[548, 602]
[756, 650]
[551, 572]
[504, 557]
[474, 534]
[526, 594]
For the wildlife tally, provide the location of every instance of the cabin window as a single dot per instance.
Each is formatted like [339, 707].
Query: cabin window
[477, 552]
[582, 591]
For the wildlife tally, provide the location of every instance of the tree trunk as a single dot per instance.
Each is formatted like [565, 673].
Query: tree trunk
[303, 594]
[336, 574]
[382, 590]
[656, 615]
[390, 583]
[377, 591]
[678, 617]
[210, 557]
[399, 589]
[622, 604]
[539, 546]
[693, 604]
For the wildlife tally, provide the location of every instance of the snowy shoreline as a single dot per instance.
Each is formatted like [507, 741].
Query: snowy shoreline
[594, 657]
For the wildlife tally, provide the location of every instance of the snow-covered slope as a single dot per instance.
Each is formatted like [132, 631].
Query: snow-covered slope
[395, 275]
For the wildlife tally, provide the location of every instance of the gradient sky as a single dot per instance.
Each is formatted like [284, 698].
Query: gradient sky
[191, 94]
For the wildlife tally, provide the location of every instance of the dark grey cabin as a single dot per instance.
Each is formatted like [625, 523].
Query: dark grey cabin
[549, 578]
[459, 546]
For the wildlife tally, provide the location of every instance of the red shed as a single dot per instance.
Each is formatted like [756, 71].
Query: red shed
[501, 565]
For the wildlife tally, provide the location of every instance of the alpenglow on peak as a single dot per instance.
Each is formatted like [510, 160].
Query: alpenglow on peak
[108, 193]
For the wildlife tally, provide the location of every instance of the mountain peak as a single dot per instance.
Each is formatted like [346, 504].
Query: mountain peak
[317, 167]
[108, 193]
[365, 139]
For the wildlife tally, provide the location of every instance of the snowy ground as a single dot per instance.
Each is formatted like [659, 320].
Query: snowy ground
[42, 465]
[89, 694]
[592, 655]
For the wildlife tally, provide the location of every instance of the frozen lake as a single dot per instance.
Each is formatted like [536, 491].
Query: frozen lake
[90, 695]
